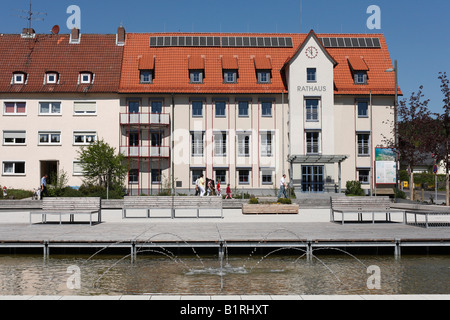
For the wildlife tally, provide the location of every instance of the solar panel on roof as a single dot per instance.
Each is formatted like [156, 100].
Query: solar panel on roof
[152, 42]
[282, 42]
[195, 41]
[333, 42]
[355, 43]
[362, 42]
[209, 41]
[340, 42]
[253, 42]
[289, 42]
[246, 42]
[188, 41]
[267, 42]
[369, 42]
[225, 41]
[232, 41]
[217, 41]
[274, 42]
[239, 41]
[260, 42]
[376, 42]
[348, 42]
[181, 41]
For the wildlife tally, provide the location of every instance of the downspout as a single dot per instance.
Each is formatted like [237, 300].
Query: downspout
[173, 144]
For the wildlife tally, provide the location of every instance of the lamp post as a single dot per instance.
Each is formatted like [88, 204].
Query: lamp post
[395, 70]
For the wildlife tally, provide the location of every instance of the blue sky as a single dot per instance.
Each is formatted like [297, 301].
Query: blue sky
[417, 32]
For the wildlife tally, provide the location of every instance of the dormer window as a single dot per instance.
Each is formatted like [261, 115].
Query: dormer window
[51, 78]
[147, 76]
[196, 69]
[196, 76]
[86, 78]
[19, 78]
[361, 77]
[230, 76]
[264, 76]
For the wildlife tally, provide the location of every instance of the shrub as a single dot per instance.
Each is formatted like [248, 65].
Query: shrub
[354, 189]
[17, 194]
[284, 201]
[253, 200]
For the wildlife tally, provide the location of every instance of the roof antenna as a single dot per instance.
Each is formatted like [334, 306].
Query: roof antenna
[301, 16]
[29, 17]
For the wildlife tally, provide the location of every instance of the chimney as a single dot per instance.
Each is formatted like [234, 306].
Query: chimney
[121, 36]
[75, 36]
[28, 33]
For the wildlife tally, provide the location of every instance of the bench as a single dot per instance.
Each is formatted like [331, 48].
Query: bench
[426, 215]
[171, 207]
[361, 205]
[69, 207]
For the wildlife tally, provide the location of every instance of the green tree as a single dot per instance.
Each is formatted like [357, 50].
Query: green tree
[102, 165]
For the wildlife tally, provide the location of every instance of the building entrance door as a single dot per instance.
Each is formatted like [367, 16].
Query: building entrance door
[313, 179]
[49, 168]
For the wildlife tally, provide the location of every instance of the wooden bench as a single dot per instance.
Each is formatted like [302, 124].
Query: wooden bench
[69, 207]
[426, 215]
[361, 205]
[171, 207]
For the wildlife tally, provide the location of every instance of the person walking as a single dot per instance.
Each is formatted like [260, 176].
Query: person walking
[197, 189]
[201, 185]
[228, 192]
[44, 186]
[283, 187]
[218, 191]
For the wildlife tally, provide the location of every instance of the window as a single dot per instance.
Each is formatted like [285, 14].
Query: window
[50, 108]
[133, 176]
[361, 77]
[363, 144]
[243, 108]
[11, 168]
[312, 142]
[363, 109]
[364, 176]
[133, 106]
[220, 144]
[311, 74]
[244, 176]
[134, 139]
[197, 144]
[86, 78]
[19, 78]
[267, 177]
[146, 76]
[266, 144]
[266, 109]
[312, 110]
[15, 108]
[196, 173]
[230, 76]
[220, 109]
[51, 78]
[157, 107]
[222, 176]
[244, 145]
[156, 139]
[84, 138]
[49, 138]
[263, 76]
[197, 108]
[14, 137]
[156, 176]
[85, 108]
[78, 169]
[196, 76]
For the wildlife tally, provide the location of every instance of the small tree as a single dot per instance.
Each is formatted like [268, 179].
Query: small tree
[416, 131]
[102, 165]
[443, 134]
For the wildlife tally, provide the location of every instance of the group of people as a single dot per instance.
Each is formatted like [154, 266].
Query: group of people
[207, 186]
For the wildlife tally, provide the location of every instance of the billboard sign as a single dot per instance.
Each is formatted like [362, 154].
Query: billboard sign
[386, 166]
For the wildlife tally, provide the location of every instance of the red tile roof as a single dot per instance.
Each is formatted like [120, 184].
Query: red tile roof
[358, 64]
[172, 65]
[97, 54]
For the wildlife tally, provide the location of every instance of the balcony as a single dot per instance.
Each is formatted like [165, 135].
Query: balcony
[145, 119]
[145, 152]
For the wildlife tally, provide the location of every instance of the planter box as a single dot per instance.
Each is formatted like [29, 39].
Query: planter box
[270, 209]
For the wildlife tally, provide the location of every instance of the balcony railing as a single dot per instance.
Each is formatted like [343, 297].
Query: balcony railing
[145, 119]
[145, 152]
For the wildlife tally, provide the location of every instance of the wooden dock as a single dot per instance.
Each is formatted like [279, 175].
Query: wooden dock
[217, 234]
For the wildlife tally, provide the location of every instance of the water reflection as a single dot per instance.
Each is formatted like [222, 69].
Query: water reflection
[273, 274]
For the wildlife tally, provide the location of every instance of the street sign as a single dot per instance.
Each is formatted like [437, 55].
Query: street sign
[435, 169]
